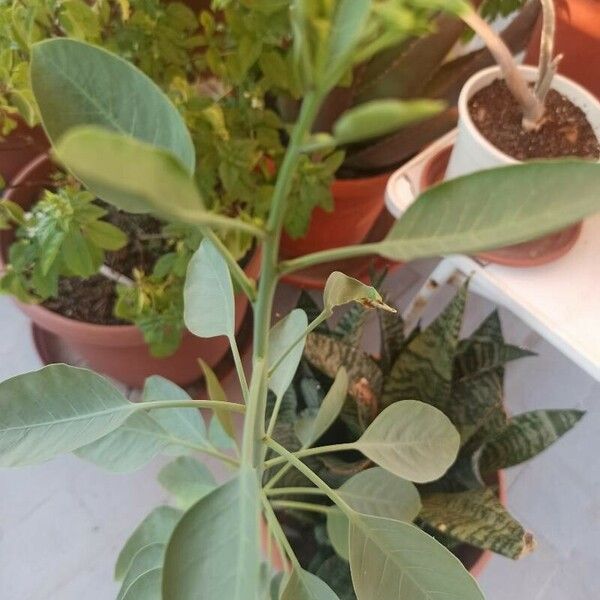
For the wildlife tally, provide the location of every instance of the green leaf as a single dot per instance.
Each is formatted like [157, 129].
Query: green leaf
[186, 424]
[154, 529]
[214, 551]
[416, 566]
[148, 558]
[341, 289]
[118, 97]
[525, 436]
[374, 492]
[484, 356]
[133, 175]
[494, 208]
[282, 336]
[217, 393]
[347, 28]
[105, 235]
[478, 518]
[424, 369]
[146, 587]
[56, 410]
[303, 585]
[411, 439]
[379, 117]
[208, 294]
[187, 479]
[309, 429]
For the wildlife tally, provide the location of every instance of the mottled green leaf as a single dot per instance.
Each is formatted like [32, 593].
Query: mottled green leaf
[187, 479]
[56, 410]
[214, 551]
[424, 369]
[525, 436]
[303, 585]
[391, 559]
[154, 529]
[411, 439]
[478, 518]
[374, 492]
[392, 338]
[483, 356]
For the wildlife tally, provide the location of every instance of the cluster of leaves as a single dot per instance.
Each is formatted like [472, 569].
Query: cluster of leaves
[64, 235]
[465, 380]
[160, 37]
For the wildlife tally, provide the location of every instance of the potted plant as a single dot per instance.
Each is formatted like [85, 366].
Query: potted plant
[420, 67]
[502, 121]
[107, 282]
[212, 549]
[577, 39]
[464, 509]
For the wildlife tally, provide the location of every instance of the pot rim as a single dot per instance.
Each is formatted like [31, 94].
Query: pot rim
[56, 322]
[530, 72]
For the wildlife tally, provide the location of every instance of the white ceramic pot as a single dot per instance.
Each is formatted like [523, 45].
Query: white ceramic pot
[473, 152]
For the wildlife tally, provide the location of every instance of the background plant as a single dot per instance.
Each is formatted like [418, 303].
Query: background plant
[147, 164]
[463, 378]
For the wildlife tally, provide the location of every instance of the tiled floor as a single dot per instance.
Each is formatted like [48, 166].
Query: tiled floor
[62, 523]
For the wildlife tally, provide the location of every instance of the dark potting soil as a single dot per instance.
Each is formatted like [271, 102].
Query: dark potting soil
[92, 300]
[565, 131]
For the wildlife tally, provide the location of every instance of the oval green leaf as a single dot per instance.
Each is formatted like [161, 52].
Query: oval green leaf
[380, 117]
[56, 410]
[413, 440]
[375, 492]
[75, 83]
[494, 208]
[187, 479]
[416, 566]
[214, 551]
[303, 585]
[209, 305]
[149, 558]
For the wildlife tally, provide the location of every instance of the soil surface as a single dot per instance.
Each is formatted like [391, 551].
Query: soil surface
[92, 300]
[564, 132]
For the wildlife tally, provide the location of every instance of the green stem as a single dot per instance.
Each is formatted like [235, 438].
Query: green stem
[295, 491]
[316, 258]
[239, 367]
[311, 452]
[313, 477]
[208, 219]
[305, 506]
[210, 404]
[247, 285]
[252, 449]
[277, 531]
[277, 477]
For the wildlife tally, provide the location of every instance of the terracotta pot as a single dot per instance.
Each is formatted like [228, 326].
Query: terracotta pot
[19, 148]
[118, 350]
[578, 39]
[527, 254]
[356, 205]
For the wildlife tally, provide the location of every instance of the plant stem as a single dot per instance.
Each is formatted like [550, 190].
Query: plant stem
[316, 258]
[239, 367]
[252, 449]
[296, 491]
[306, 506]
[277, 477]
[277, 531]
[313, 477]
[311, 452]
[533, 109]
[547, 64]
[247, 285]
[210, 404]
[113, 275]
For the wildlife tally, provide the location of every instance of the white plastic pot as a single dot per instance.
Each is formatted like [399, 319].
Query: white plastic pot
[473, 152]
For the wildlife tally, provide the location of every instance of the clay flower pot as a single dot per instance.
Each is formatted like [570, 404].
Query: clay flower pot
[19, 148]
[577, 39]
[118, 350]
[356, 205]
[473, 152]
